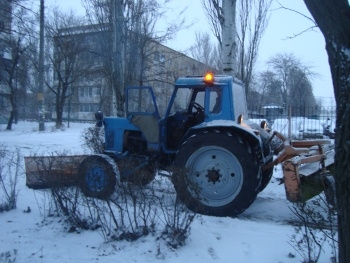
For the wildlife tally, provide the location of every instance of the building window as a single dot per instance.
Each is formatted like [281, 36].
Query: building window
[86, 92]
[156, 56]
[88, 107]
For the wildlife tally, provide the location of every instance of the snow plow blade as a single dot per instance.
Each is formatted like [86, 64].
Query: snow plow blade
[306, 167]
[308, 176]
[51, 171]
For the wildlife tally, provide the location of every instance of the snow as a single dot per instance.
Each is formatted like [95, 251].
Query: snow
[272, 107]
[261, 234]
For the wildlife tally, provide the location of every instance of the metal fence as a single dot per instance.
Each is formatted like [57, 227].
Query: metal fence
[294, 123]
[298, 123]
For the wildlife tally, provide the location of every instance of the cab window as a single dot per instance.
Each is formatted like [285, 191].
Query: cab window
[215, 101]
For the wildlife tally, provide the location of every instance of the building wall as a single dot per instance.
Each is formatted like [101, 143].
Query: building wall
[5, 56]
[168, 66]
[162, 66]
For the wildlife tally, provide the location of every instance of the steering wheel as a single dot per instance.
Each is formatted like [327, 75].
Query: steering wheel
[197, 106]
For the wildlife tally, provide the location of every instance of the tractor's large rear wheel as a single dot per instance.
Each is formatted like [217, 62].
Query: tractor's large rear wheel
[97, 176]
[266, 176]
[216, 174]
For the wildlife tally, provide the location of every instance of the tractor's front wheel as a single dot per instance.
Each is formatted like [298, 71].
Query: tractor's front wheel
[216, 174]
[97, 176]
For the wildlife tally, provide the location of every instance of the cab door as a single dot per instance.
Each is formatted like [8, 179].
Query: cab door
[142, 111]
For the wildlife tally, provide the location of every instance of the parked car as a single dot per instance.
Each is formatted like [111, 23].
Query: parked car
[282, 125]
[311, 128]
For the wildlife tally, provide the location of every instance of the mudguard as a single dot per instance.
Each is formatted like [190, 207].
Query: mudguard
[242, 129]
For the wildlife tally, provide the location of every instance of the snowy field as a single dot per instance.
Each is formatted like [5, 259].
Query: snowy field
[261, 234]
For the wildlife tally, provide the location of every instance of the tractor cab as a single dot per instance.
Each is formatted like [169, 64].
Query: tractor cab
[196, 103]
[199, 101]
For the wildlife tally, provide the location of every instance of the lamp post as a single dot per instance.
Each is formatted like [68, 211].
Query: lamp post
[41, 105]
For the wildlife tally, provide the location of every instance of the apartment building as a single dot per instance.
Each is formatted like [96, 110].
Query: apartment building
[154, 64]
[5, 57]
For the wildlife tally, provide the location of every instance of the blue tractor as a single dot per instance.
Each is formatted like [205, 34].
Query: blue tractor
[213, 155]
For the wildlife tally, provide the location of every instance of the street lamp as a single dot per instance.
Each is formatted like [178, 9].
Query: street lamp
[41, 105]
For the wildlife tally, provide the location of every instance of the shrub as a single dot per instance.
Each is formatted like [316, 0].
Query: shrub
[9, 172]
[315, 227]
[93, 139]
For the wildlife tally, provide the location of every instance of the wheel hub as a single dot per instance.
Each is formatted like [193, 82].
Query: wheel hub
[213, 176]
[96, 178]
[217, 175]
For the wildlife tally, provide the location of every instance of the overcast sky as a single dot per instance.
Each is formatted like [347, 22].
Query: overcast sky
[309, 47]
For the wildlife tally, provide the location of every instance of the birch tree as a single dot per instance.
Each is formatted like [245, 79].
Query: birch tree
[239, 40]
[229, 39]
[333, 19]
[222, 18]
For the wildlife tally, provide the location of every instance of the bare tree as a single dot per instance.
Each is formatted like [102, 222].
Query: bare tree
[18, 38]
[203, 50]
[264, 91]
[108, 17]
[248, 30]
[140, 33]
[333, 19]
[293, 76]
[301, 97]
[213, 11]
[67, 41]
[252, 22]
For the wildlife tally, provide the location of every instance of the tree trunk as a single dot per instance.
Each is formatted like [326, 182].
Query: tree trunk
[229, 41]
[59, 119]
[41, 105]
[333, 19]
[14, 111]
[9, 123]
[60, 101]
[119, 55]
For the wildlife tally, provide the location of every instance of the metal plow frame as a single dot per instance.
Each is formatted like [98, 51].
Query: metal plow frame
[305, 167]
[52, 171]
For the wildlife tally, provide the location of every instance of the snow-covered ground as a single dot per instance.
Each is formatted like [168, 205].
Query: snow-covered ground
[261, 234]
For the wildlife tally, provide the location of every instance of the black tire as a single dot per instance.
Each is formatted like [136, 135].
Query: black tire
[97, 176]
[216, 174]
[266, 176]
